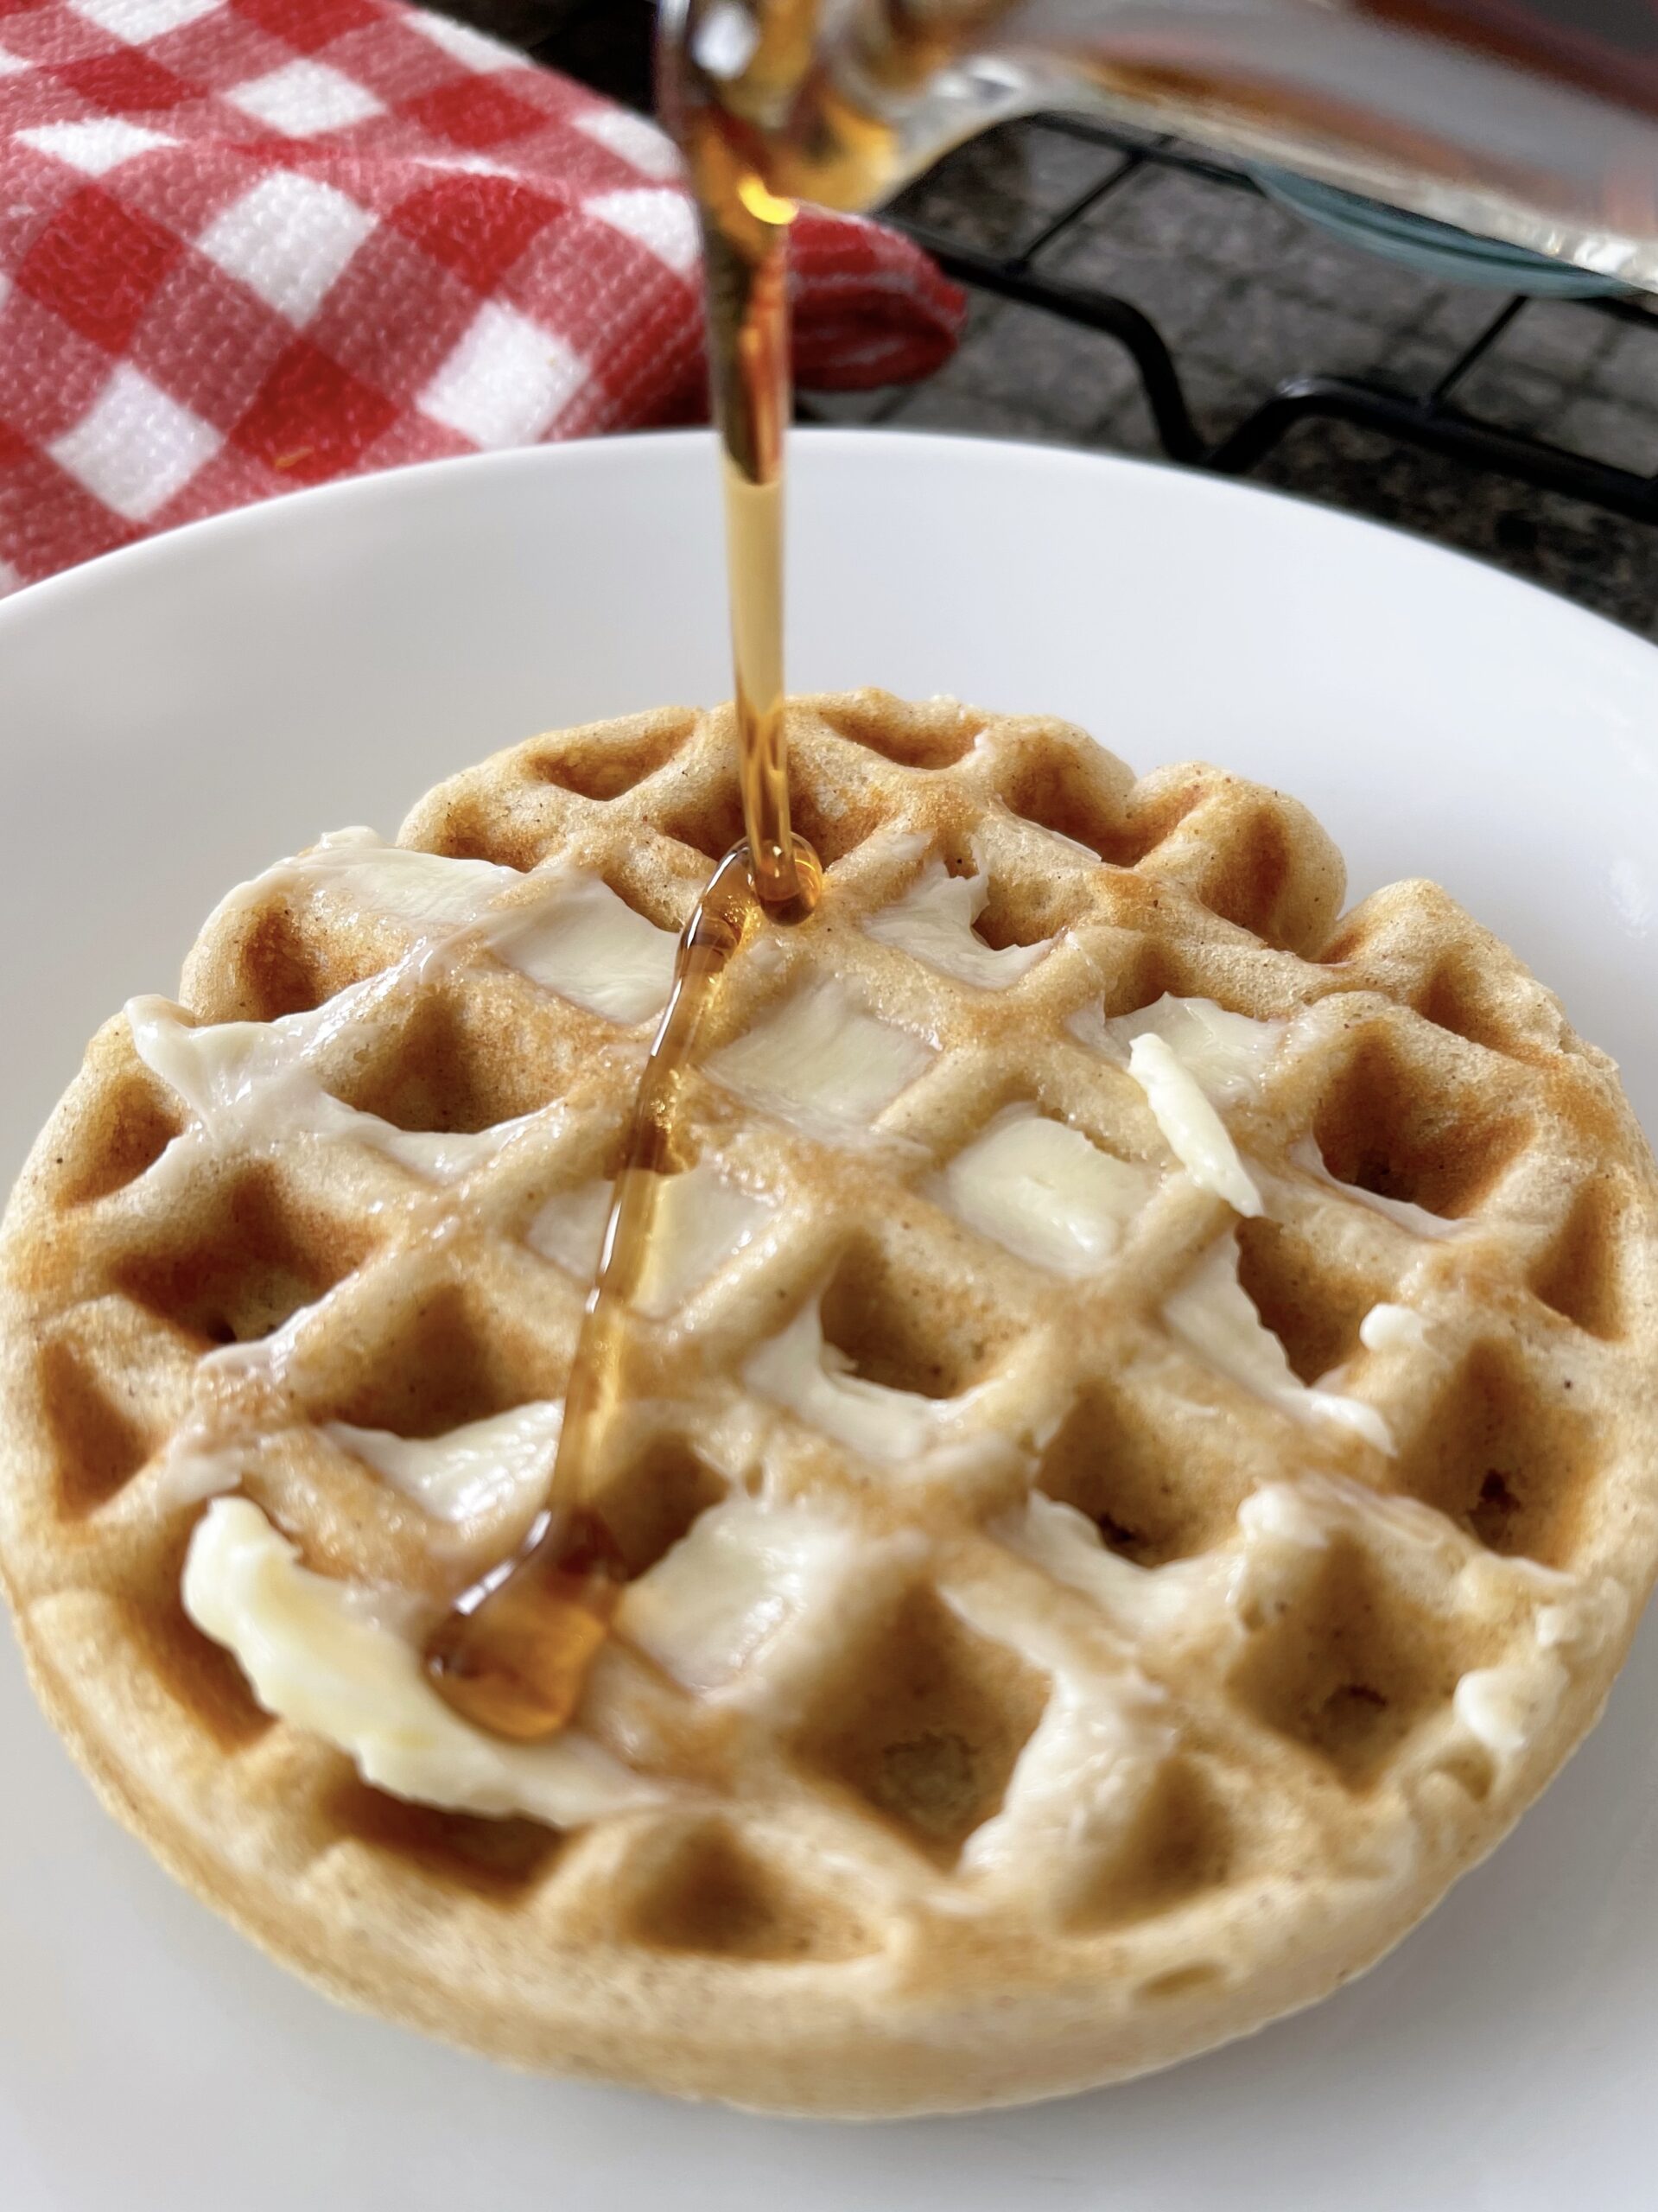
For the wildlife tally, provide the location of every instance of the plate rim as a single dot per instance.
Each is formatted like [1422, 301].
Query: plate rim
[837, 2152]
[294, 510]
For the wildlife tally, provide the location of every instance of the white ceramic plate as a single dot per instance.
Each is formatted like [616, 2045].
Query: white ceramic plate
[175, 716]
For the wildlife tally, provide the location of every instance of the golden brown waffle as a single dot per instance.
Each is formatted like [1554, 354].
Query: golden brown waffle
[1103, 1706]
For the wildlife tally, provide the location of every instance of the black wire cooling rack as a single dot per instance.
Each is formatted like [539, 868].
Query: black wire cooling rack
[609, 43]
[1432, 419]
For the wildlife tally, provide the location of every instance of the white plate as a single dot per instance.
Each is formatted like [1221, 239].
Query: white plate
[174, 716]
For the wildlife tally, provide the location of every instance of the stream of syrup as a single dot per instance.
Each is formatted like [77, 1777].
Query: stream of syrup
[513, 1655]
[762, 112]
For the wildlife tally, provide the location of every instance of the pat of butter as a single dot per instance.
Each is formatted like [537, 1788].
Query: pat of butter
[251, 1082]
[483, 1467]
[582, 941]
[1503, 1708]
[1195, 1134]
[392, 881]
[933, 922]
[747, 1573]
[812, 1380]
[820, 1058]
[569, 1228]
[1104, 1733]
[1144, 1601]
[571, 934]
[1214, 1316]
[700, 1221]
[1102, 1737]
[316, 1656]
[1041, 1188]
[1227, 1054]
[1392, 1328]
[1314, 1511]
[254, 1085]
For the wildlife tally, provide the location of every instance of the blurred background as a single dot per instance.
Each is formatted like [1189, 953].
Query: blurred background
[1133, 295]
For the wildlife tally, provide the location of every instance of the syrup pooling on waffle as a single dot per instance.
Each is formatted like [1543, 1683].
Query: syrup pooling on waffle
[987, 1560]
[513, 1656]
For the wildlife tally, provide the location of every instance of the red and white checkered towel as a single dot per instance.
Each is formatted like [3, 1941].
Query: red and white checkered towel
[246, 244]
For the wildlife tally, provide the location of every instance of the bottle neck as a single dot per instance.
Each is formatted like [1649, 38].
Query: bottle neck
[1510, 118]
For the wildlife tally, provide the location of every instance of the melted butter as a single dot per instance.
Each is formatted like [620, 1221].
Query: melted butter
[484, 1467]
[1041, 1189]
[318, 1654]
[1079, 1781]
[1417, 1219]
[1214, 1316]
[1195, 1133]
[1067, 1545]
[820, 1058]
[580, 940]
[1081, 1776]
[358, 870]
[569, 1228]
[250, 1082]
[252, 1086]
[1317, 1510]
[747, 1579]
[1227, 1055]
[701, 1220]
[1392, 1328]
[809, 1378]
[1506, 1707]
[933, 922]
[191, 1472]
[559, 927]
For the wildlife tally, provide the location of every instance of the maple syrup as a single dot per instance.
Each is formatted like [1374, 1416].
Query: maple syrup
[513, 1655]
[837, 105]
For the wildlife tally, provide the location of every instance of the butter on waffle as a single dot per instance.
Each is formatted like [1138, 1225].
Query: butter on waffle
[1078, 1613]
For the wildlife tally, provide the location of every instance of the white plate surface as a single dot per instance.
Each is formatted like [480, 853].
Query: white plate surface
[175, 716]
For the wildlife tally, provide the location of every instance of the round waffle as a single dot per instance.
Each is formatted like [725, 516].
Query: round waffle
[1086, 1600]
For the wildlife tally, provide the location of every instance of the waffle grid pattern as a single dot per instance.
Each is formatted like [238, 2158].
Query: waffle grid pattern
[1137, 1717]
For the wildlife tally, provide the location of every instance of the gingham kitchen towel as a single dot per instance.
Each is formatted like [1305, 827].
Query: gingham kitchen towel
[246, 244]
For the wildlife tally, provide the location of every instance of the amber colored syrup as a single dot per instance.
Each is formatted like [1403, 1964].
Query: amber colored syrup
[513, 1655]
